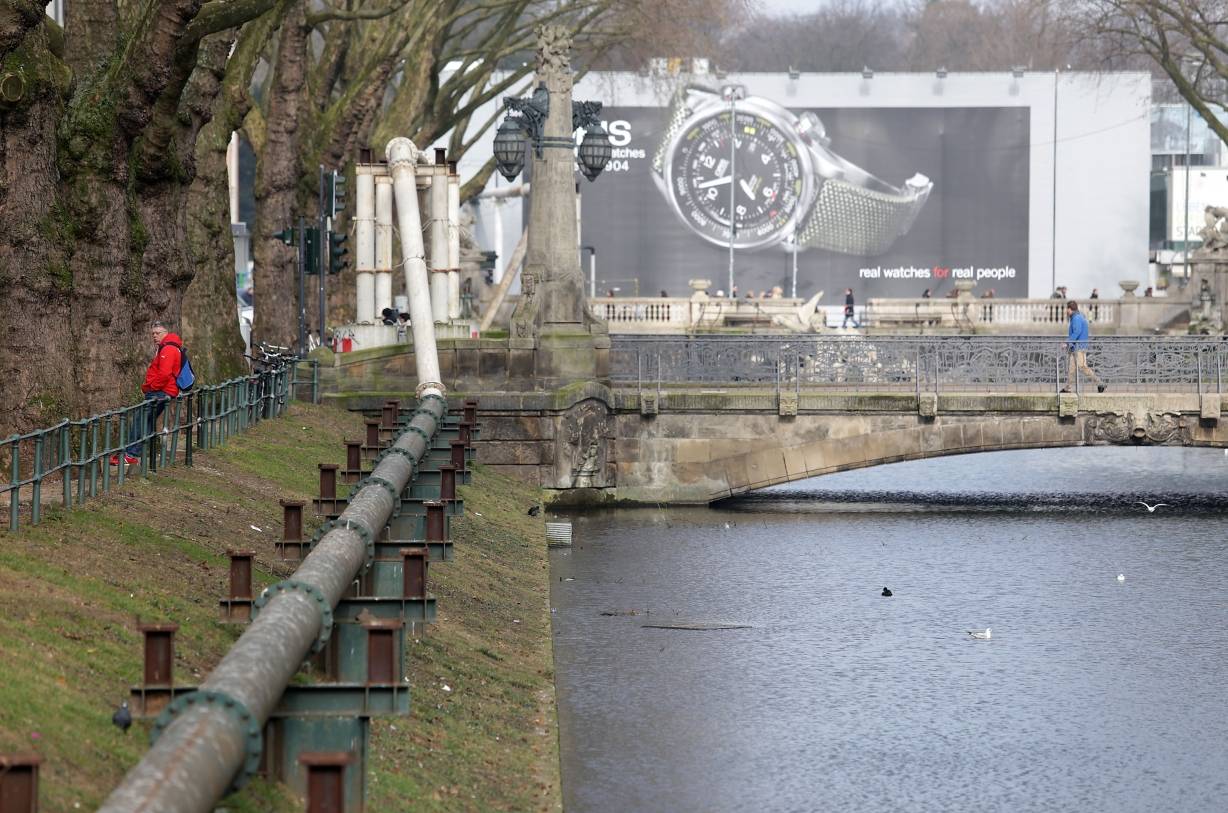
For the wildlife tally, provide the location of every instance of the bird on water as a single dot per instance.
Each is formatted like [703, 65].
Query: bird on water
[983, 635]
[886, 593]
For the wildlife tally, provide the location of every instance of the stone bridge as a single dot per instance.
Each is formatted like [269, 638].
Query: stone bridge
[707, 419]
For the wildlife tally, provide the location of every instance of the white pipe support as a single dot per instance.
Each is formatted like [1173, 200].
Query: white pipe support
[439, 242]
[383, 244]
[402, 156]
[454, 308]
[364, 250]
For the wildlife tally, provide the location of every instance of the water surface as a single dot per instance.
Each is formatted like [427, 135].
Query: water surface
[1091, 694]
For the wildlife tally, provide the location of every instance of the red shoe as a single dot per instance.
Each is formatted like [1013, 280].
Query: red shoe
[129, 460]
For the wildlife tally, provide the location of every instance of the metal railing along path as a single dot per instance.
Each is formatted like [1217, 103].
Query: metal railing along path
[998, 364]
[69, 463]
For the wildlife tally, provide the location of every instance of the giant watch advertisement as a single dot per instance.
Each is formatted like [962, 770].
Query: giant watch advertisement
[887, 201]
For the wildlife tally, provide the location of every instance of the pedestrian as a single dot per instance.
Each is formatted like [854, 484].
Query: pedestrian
[733, 292]
[402, 328]
[1076, 346]
[1148, 292]
[849, 310]
[925, 294]
[159, 387]
[1095, 308]
[664, 294]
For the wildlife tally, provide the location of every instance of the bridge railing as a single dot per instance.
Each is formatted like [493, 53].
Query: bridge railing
[1006, 364]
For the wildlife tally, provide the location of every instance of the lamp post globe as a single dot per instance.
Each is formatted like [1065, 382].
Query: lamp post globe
[510, 144]
[594, 151]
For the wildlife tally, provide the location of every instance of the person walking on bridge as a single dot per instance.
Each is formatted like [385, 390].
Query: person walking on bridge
[1076, 346]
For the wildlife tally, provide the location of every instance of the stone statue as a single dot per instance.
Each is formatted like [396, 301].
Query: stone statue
[1215, 234]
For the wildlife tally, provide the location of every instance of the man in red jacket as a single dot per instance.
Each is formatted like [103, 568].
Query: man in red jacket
[159, 387]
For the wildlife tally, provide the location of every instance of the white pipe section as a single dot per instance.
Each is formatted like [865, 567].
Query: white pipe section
[402, 155]
[497, 276]
[520, 190]
[439, 242]
[454, 307]
[364, 250]
[383, 244]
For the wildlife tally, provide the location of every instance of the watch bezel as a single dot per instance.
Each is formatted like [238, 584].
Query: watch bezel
[778, 116]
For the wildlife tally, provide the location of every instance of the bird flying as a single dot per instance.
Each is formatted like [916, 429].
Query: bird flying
[1151, 509]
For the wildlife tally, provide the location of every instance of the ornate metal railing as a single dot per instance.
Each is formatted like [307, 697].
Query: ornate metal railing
[1004, 364]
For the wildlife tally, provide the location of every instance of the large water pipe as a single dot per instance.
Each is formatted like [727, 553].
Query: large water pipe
[439, 238]
[215, 739]
[383, 243]
[364, 250]
[402, 158]
[454, 308]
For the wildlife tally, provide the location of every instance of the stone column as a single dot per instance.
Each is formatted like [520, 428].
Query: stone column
[570, 342]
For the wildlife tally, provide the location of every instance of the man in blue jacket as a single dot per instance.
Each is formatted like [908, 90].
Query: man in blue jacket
[1076, 344]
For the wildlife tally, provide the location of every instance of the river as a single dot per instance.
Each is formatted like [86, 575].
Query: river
[1093, 693]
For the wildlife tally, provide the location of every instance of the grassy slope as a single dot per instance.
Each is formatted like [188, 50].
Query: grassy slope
[72, 588]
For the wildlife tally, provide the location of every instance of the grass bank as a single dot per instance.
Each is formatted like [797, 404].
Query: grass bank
[72, 588]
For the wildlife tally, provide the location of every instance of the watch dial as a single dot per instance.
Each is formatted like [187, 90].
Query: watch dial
[761, 182]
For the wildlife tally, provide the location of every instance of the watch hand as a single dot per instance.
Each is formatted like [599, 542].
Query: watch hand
[749, 189]
[716, 182]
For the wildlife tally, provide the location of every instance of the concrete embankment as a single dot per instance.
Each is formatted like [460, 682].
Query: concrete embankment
[482, 733]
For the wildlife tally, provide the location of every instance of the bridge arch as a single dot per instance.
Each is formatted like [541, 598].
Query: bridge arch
[718, 457]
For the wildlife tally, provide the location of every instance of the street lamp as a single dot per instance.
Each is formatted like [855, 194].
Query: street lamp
[523, 127]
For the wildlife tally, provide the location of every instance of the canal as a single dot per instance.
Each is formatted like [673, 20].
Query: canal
[1093, 692]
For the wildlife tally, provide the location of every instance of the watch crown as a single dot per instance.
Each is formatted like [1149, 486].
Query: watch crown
[810, 127]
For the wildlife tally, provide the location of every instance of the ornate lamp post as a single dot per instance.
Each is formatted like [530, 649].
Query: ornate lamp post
[552, 302]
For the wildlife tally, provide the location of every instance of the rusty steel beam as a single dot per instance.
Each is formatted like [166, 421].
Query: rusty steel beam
[209, 742]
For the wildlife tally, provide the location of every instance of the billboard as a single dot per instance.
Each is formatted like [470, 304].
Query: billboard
[1208, 186]
[886, 200]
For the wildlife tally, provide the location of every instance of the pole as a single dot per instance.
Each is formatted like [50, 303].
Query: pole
[1053, 248]
[302, 286]
[793, 294]
[1185, 242]
[733, 180]
[592, 271]
[327, 227]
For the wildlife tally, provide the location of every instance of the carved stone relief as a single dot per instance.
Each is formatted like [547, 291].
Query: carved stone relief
[582, 445]
[1154, 428]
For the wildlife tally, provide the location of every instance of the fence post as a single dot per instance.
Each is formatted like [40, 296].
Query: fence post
[187, 436]
[66, 463]
[14, 479]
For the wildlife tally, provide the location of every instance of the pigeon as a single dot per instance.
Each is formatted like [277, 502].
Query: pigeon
[1151, 509]
[535, 510]
[983, 635]
[886, 593]
[122, 718]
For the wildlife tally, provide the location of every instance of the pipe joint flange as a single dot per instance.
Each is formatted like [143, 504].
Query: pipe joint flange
[322, 604]
[406, 453]
[253, 740]
[420, 432]
[432, 396]
[422, 393]
[372, 480]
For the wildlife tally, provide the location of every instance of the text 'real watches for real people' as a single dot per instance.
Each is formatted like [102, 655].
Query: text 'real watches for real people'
[787, 184]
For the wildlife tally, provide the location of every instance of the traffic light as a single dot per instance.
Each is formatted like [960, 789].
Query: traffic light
[337, 252]
[336, 193]
[286, 236]
[311, 250]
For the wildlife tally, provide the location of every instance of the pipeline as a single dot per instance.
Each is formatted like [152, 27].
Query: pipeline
[213, 745]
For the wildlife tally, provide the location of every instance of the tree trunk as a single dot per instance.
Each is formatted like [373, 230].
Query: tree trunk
[210, 308]
[277, 177]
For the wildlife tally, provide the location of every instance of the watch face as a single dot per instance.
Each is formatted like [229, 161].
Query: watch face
[757, 182]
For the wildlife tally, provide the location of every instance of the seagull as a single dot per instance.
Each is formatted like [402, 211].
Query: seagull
[886, 593]
[1121, 577]
[981, 635]
[1151, 509]
[122, 718]
[727, 526]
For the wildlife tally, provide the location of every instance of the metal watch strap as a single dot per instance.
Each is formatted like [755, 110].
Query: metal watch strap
[851, 219]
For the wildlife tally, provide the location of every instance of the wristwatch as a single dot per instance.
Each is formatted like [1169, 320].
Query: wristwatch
[781, 180]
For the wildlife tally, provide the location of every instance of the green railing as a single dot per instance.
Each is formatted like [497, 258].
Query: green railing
[70, 462]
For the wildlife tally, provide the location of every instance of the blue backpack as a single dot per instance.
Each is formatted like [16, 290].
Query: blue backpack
[186, 378]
